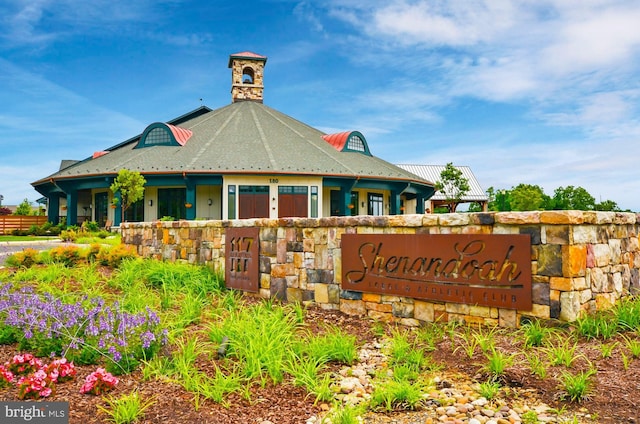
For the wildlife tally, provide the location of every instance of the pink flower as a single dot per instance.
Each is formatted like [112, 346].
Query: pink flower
[6, 376]
[35, 385]
[99, 382]
[60, 370]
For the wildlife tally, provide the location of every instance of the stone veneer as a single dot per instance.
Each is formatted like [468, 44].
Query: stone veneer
[581, 261]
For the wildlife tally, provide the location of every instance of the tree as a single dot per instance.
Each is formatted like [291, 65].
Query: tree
[453, 185]
[130, 185]
[499, 200]
[527, 197]
[608, 206]
[574, 198]
[5, 211]
[24, 208]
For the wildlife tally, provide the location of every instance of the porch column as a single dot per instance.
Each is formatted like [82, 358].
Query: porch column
[53, 209]
[191, 198]
[72, 207]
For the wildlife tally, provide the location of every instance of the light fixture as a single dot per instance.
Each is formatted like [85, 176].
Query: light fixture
[150, 202]
[210, 202]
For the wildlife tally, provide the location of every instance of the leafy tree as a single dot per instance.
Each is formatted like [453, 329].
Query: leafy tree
[24, 208]
[527, 197]
[575, 198]
[607, 205]
[5, 211]
[453, 185]
[499, 200]
[130, 185]
[474, 207]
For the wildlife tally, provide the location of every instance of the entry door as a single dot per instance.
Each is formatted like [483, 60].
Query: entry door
[101, 208]
[253, 202]
[293, 201]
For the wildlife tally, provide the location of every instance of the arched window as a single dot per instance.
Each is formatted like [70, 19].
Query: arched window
[348, 141]
[247, 75]
[161, 134]
[158, 137]
[355, 143]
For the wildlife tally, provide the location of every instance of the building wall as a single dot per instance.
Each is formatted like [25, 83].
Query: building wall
[580, 261]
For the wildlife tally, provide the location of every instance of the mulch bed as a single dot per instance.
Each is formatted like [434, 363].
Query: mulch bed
[615, 397]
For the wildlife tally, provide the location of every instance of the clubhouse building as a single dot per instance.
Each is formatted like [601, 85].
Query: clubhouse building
[244, 160]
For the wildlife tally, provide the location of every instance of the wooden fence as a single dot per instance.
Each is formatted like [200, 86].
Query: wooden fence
[8, 223]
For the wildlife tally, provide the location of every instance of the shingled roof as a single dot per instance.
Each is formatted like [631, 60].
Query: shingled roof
[243, 137]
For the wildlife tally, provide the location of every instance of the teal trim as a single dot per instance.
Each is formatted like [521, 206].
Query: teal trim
[190, 197]
[163, 126]
[117, 218]
[364, 143]
[72, 207]
[52, 212]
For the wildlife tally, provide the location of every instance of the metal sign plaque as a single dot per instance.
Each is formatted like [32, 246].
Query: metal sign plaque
[242, 260]
[478, 269]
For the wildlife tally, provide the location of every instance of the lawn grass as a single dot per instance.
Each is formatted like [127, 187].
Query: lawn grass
[6, 238]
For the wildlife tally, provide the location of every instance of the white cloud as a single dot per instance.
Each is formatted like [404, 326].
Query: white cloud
[452, 23]
[50, 123]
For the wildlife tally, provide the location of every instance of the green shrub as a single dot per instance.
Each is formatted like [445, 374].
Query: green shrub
[26, 258]
[115, 255]
[67, 255]
[91, 226]
[69, 235]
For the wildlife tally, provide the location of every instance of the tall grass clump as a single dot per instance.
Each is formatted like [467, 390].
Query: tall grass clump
[258, 337]
[126, 409]
[497, 363]
[627, 314]
[577, 387]
[535, 333]
[597, 326]
[332, 345]
[563, 353]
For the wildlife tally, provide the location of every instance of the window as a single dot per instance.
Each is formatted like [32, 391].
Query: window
[171, 202]
[135, 212]
[158, 137]
[355, 143]
[161, 134]
[375, 204]
[232, 202]
[314, 201]
[354, 208]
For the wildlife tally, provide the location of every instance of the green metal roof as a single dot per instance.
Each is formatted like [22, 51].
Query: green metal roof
[241, 138]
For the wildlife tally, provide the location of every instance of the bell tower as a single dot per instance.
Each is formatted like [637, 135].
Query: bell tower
[247, 71]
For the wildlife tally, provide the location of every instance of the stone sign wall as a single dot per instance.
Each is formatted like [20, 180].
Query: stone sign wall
[580, 261]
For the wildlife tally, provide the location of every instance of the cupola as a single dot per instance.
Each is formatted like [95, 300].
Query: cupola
[247, 71]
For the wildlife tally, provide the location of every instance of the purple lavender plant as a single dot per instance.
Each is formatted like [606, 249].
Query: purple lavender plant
[97, 327]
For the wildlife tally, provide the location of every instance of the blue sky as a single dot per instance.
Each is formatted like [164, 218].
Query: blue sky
[540, 92]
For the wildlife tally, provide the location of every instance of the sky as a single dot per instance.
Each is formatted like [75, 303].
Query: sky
[542, 92]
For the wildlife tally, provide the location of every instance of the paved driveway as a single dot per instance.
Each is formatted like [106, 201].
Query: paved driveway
[9, 247]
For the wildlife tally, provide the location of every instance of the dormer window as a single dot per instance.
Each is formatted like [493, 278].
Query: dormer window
[355, 143]
[247, 75]
[161, 134]
[348, 141]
